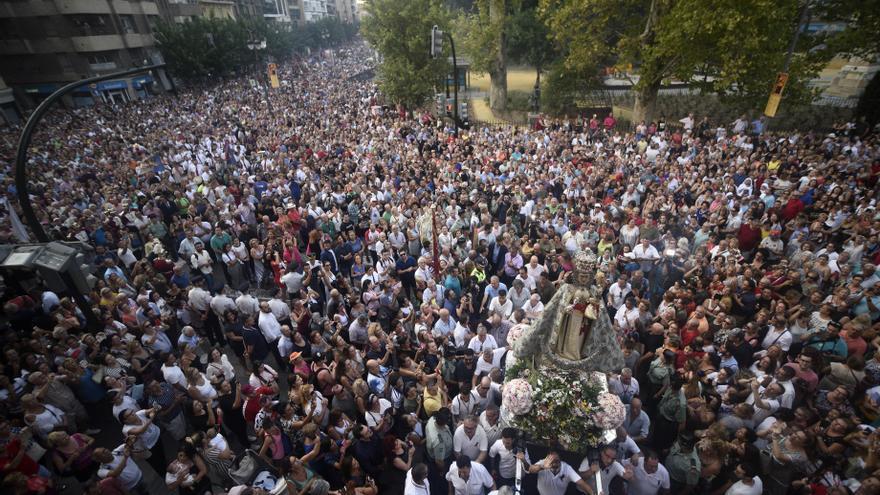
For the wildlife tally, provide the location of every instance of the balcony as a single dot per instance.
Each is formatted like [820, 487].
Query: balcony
[69, 7]
[35, 46]
[97, 43]
[135, 8]
[103, 67]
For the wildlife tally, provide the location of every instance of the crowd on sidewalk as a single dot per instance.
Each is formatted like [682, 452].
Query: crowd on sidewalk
[363, 265]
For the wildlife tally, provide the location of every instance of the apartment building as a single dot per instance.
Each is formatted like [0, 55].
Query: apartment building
[45, 44]
[346, 10]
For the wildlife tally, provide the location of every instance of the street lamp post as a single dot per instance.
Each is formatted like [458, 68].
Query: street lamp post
[255, 45]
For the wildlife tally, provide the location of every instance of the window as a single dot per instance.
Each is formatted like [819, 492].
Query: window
[102, 58]
[92, 25]
[153, 21]
[128, 25]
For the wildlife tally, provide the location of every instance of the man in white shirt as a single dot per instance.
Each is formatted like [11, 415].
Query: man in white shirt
[198, 298]
[624, 385]
[201, 261]
[777, 334]
[617, 292]
[470, 440]
[749, 483]
[118, 464]
[765, 400]
[294, 281]
[140, 424]
[221, 303]
[279, 308]
[554, 475]
[490, 424]
[269, 325]
[444, 325]
[645, 254]
[469, 478]
[417, 481]
[488, 360]
[463, 404]
[173, 374]
[247, 305]
[607, 465]
[625, 445]
[534, 269]
[637, 423]
[501, 304]
[649, 476]
[687, 122]
[482, 341]
[534, 308]
[627, 316]
[504, 458]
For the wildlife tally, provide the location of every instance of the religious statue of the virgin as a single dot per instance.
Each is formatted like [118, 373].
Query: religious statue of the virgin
[574, 332]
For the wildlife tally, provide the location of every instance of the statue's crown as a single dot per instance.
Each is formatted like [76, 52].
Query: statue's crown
[585, 260]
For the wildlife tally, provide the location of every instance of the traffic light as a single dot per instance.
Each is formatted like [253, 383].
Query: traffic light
[463, 111]
[438, 99]
[436, 42]
[450, 107]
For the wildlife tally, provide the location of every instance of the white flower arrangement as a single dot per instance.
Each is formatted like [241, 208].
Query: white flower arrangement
[517, 396]
[610, 412]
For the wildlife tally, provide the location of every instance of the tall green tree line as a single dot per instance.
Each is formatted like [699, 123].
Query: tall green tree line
[207, 46]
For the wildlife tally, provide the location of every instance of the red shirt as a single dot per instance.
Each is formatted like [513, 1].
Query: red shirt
[792, 208]
[27, 466]
[856, 346]
[809, 377]
[252, 406]
[748, 237]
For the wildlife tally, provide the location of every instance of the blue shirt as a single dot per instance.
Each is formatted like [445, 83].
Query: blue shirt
[862, 307]
[493, 292]
[831, 346]
[730, 363]
[260, 187]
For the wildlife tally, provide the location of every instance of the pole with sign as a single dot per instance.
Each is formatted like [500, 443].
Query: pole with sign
[273, 76]
[776, 94]
[782, 77]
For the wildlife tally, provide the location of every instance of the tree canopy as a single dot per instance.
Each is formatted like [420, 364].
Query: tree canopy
[401, 31]
[210, 46]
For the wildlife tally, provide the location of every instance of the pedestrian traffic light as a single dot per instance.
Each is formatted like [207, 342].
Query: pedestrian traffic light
[463, 111]
[436, 42]
[450, 107]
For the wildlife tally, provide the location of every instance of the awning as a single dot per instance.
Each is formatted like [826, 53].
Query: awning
[108, 85]
[138, 82]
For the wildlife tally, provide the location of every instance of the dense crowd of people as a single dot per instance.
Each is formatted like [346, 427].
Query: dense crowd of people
[329, 282]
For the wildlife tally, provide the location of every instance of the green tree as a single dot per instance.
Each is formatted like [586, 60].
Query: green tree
[732, 46]
[869, 103]
[401, 31]
[862, 19]
[564, 88]
[483, 37]
[529, 40]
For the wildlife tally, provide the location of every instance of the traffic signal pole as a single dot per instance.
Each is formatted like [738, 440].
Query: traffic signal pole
[454, 82]
[437, 51]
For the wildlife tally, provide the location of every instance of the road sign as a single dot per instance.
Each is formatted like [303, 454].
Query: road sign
[776, 94]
